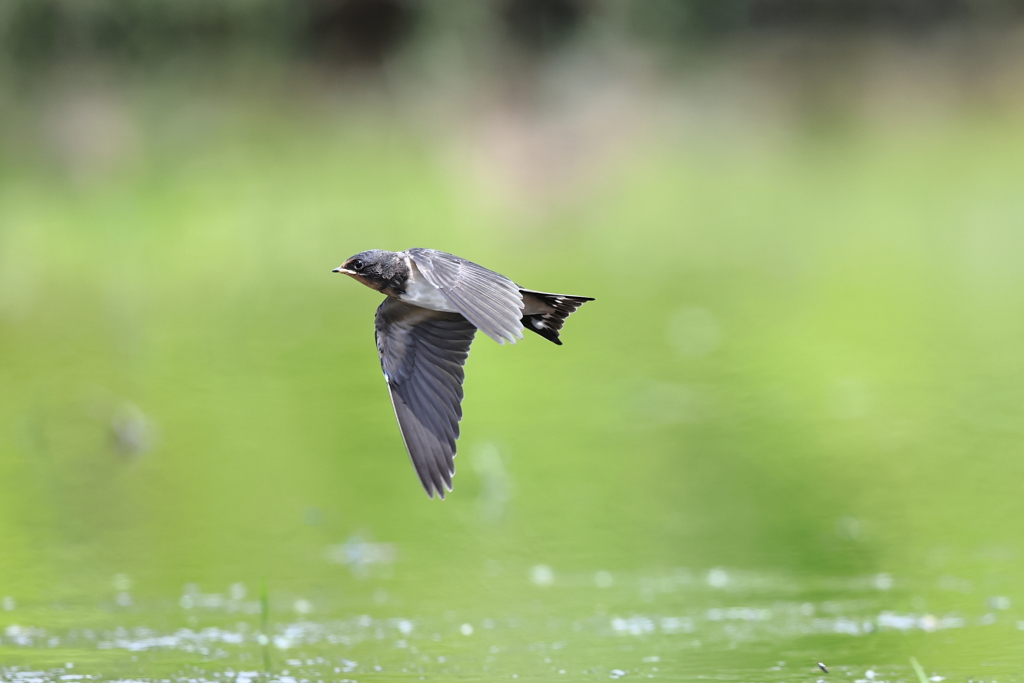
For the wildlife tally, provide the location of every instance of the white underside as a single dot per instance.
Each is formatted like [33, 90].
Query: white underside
[419, 292]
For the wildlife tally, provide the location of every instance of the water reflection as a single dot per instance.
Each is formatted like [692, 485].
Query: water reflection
[495, 483]
[726, 614]
[363, 557]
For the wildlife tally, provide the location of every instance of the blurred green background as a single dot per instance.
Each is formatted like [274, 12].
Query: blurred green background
[798, 392]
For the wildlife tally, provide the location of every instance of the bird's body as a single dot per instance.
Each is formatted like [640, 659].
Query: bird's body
[435, 304]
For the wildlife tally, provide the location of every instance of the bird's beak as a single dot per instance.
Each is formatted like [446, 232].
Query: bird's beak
[346, 271]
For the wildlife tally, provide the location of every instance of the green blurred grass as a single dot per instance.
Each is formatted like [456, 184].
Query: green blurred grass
[864, 282]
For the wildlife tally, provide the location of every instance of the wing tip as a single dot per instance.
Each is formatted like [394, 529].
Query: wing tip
[433, 489]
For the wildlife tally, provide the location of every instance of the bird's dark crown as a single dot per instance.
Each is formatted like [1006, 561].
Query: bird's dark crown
[385, 271]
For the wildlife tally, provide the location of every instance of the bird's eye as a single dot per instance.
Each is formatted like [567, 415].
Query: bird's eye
[357, 265]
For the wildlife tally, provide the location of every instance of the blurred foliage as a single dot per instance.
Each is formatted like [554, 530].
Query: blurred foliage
[689, 19]
[786, 334]
[369, 31]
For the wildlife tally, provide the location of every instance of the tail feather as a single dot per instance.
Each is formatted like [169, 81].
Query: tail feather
[548, 324]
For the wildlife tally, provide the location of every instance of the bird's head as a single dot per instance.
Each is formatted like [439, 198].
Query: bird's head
[374, 268]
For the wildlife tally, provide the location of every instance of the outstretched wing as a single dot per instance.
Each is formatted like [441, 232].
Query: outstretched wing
[422, 353]
[490, 301]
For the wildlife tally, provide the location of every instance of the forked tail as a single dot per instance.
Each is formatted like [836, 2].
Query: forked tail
[555, 309]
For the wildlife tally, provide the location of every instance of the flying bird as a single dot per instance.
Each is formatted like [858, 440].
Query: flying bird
[435, 304]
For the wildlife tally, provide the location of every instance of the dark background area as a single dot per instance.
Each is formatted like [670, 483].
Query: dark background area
[346, 32]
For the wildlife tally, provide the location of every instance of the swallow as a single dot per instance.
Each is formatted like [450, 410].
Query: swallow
[435, 302]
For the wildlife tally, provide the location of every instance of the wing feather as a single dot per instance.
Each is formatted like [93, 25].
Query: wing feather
[422, 353]
[487, 299]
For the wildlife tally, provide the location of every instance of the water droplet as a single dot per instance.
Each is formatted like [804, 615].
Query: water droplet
[542, 575]
[882, 582]
[718, 578]
[1000, 602]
